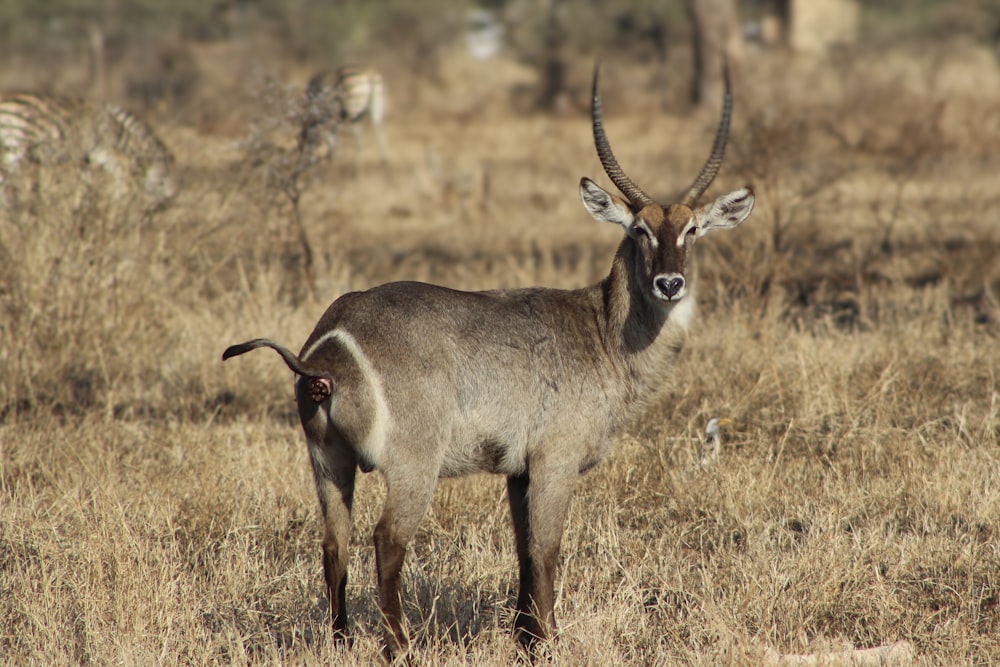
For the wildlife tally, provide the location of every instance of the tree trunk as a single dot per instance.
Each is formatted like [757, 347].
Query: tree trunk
[717, 37]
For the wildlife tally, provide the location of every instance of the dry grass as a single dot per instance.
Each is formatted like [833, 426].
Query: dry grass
[158, 506]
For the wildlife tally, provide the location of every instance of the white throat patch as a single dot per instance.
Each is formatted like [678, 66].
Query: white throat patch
[683, 313]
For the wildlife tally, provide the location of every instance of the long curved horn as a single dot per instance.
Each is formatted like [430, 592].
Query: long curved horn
[714, 161]
[636, 196]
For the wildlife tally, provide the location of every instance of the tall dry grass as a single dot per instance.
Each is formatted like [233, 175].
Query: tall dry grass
[158, 505]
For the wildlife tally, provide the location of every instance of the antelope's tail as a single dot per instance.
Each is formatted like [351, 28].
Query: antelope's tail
[290, 358]
[321, 383]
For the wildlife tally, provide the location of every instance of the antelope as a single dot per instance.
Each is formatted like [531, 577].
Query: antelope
[347, 95]
[423, 382]
[50, 130]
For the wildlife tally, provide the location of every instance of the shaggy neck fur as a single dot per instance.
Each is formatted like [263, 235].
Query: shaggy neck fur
[642, 336]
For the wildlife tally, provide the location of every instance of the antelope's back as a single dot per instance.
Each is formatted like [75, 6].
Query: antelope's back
[483, 375]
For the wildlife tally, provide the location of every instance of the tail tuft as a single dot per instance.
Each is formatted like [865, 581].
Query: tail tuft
[243, 348]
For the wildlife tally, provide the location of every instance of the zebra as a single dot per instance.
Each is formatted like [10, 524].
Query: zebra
[49, 130]
[346, 95]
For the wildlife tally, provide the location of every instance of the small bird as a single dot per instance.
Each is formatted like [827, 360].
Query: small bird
[710, 448]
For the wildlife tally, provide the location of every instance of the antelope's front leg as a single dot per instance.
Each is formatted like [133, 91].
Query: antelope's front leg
[539, 502]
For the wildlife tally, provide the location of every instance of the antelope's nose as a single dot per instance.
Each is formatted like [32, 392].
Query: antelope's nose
[669, 285]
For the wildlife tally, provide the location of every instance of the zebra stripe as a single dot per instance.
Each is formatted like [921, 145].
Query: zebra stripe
[30, 122]
[345, 96]
[49, 130]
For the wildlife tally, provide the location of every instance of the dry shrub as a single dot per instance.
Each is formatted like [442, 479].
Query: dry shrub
[274, 172]
[102, 296]
[79, 261]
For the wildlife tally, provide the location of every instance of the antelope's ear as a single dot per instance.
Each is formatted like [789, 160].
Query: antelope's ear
[604, 206]
[725, 212]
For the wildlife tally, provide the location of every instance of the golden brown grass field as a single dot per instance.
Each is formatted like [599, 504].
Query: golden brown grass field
[157, 505]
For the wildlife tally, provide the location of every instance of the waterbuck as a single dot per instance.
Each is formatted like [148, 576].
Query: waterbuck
[422, 382]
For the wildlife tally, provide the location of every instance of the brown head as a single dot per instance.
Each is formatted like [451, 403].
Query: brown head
[663, 235]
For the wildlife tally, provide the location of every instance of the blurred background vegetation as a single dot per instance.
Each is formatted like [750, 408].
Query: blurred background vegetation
[329, 27]
[53, 33]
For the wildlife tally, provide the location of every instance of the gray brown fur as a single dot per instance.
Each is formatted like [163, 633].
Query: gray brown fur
[532, 383]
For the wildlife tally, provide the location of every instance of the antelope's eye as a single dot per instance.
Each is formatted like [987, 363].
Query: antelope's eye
[693, 229]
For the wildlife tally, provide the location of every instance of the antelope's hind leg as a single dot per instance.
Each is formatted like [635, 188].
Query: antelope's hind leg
[408, 495]
[334, 466]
